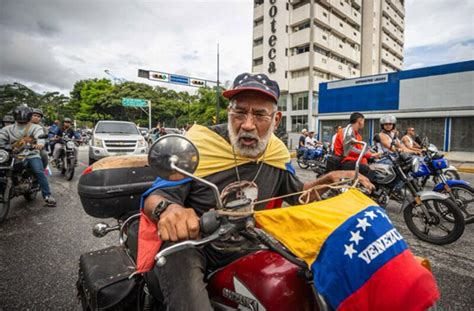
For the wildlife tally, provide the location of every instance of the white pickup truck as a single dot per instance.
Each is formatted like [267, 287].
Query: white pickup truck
[112, 138]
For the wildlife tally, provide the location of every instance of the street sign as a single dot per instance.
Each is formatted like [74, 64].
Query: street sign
[179, 79]
[134, 102]
[159, 76]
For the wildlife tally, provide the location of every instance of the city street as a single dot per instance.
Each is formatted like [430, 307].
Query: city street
[40, 249]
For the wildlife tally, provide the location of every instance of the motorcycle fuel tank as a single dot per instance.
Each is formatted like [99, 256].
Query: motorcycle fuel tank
[384, 173]
[263, 280]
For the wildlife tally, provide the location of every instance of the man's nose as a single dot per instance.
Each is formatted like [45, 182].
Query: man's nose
[249, 123]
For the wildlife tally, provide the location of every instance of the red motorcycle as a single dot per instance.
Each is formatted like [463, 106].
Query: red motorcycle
[270, 278]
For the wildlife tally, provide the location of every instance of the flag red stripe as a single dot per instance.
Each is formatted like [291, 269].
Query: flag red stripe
[148, 243]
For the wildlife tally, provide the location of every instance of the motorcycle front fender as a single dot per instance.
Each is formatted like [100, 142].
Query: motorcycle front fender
[440, 187]
[428, 195]
[450, 168]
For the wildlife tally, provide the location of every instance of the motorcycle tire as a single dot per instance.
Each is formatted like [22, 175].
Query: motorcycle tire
[4, 208]
[412, 211]
[31, 196]
[302, 163]
[452, 175]
[466, 207]
[70, 173]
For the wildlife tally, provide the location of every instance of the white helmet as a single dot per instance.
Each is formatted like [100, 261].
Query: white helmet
[388, 119]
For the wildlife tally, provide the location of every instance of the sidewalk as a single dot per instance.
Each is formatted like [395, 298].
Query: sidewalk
[463, 161]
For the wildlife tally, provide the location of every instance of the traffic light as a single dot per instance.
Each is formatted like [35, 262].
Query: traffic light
[214, 120]
[196, 82]
[160, 76]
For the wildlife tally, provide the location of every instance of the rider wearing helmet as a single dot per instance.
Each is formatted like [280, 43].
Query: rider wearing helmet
[387, 138]
[7, 120]
[22, 132]
[36, 117]
[65, 131]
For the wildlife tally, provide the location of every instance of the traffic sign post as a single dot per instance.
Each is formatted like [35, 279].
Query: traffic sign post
[140, 103]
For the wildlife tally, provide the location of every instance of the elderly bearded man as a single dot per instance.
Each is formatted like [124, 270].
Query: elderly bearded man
[247, 152]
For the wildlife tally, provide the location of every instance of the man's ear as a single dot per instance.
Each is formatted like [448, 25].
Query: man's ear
[278, 116]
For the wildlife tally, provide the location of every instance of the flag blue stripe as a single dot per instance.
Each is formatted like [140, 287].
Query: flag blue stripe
[161, 183]
[336, 274]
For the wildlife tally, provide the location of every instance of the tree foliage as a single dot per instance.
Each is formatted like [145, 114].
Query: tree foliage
[98, 99]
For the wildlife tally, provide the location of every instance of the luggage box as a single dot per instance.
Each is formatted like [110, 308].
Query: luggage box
[112, 187]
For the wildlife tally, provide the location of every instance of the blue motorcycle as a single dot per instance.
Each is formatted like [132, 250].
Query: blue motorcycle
[313, 158]
[459, 191]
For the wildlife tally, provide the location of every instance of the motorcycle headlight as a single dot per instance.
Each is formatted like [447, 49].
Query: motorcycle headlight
[70, 145]
[98, 142]
[432, 148]
[141, 143]
[415, 164]
[4, 156]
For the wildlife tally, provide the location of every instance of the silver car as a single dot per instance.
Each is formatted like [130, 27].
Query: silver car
[112, 138]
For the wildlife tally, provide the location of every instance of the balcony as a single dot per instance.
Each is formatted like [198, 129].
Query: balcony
[346, 10]
[344, 49]
[257, 51]
[392, 45]
[300, 84]
[385, 69]
[300, 14]
[334, 67]
[299, 61]
[299, 38]
[392, 30]
[258, 31]
[397, 19]
[321, 14]
[344, 29]
[258, 12]
[398, 6]
[391, 59]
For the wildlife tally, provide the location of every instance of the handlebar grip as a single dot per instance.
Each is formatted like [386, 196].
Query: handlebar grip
[209, 222]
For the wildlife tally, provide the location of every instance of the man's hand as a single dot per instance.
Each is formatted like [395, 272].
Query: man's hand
[365, 182]
[39, 146]
[178, 223]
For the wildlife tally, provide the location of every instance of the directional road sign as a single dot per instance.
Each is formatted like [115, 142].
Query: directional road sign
[134, 102]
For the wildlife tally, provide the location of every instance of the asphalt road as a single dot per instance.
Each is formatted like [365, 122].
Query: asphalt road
[40, 249]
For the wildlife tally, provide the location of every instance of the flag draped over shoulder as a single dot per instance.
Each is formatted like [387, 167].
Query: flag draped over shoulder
[358, 259]
[216, 155]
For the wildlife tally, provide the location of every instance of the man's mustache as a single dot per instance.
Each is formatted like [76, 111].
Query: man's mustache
[248, 135]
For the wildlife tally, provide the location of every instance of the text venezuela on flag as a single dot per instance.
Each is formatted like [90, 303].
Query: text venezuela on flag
[358, 259]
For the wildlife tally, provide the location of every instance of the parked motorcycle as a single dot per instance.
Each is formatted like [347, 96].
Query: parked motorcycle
[315, 158]
[450, 172]
[67, 159]
[15, 177]
[460, 191]
[106, 276]
[431, 216]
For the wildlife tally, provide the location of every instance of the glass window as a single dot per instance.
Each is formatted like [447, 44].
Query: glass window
[462, 134]
[282, 103]
[298, 123]
[300, 101]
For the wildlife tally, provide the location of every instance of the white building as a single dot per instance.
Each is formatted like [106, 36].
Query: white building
[301, 43]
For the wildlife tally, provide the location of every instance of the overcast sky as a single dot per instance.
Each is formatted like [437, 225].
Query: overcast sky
[50, 44]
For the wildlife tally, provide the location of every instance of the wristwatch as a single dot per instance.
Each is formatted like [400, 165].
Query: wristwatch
[159, 209]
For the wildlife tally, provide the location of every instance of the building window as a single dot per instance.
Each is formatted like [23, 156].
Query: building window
[341, 24]
[321, 51]
[302, 49]
[298, 123]
[258, 61]
[282, 103]
[320, 74]
[258, 2]
[301, 26]
[324, 37]
[300, 73]
[325, 14]
[257, 23]
[300, 101]
[258, 42]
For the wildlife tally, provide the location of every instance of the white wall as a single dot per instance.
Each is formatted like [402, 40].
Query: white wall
[442, 91]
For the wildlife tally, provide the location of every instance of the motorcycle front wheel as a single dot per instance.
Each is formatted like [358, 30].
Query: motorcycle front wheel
[452, 175]
[302, 163]
[69, 170]
[437, 228]
[464, 199]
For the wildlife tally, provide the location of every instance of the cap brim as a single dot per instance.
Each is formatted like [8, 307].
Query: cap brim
[231, 93]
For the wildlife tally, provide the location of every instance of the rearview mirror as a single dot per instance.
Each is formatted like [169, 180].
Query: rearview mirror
[170, 152]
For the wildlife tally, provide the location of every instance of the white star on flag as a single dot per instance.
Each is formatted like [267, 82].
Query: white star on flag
[355, 237]
[384, 215]
[349, 250]
[370, 214]
[362, 223]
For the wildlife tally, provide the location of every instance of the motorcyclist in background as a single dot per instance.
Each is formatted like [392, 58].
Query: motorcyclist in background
[409, 140]
[65, 131]
[52, 131]
[22, 132]
[36, 118]
[387, 140]
[7, 120]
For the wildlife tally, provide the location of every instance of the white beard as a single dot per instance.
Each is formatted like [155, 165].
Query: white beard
[250, 151]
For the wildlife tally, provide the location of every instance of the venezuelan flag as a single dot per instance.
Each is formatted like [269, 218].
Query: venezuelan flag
[358, 259]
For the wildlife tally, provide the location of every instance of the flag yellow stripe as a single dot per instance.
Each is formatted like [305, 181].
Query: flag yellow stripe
[216, 154]
[303, 229]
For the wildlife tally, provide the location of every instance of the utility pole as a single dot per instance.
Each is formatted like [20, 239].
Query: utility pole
[218, 93]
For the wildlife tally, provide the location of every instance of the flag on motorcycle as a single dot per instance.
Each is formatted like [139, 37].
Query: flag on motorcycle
[216, 155]
[358, 259]
[47, 171]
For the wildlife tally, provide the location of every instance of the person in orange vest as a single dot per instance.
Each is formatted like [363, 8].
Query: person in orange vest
[348, 152]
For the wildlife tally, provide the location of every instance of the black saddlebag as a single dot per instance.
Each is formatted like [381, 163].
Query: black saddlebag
[112, 187]
[104, 279]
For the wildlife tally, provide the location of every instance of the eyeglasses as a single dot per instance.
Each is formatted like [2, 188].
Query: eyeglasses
[259, 117]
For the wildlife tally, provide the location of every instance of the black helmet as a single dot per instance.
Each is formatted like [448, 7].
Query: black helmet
[8, 118]
[22, 114]
[67, 120]
[37, 111]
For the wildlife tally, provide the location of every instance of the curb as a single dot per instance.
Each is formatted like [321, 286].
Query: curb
[469, 170]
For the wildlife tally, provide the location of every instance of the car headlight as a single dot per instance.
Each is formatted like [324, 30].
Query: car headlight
[98, 142]
[70, 145]
[415, 164]
[141, 143]
[4, 156]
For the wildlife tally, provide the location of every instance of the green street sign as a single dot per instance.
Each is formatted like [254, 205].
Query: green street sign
[134, 102]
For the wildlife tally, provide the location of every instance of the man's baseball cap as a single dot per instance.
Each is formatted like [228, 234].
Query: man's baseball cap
[254, 82]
